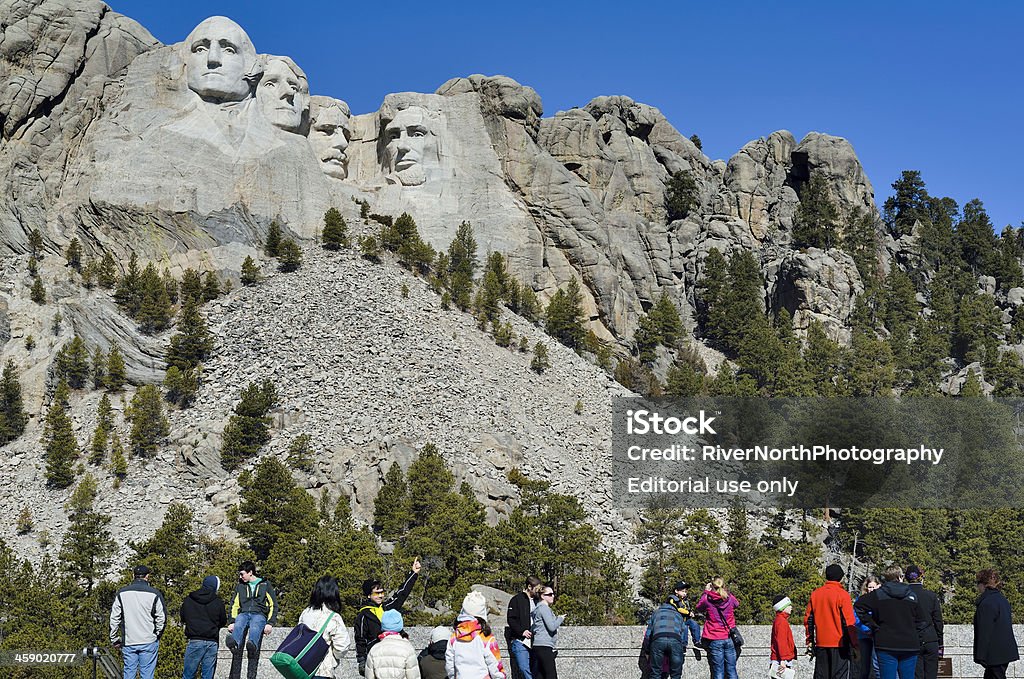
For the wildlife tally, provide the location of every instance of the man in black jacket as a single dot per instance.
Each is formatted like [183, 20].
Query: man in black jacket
[366, 626]
[931, 635]
[894, 616]
[203, 615]
[519, 618]
[253, 615]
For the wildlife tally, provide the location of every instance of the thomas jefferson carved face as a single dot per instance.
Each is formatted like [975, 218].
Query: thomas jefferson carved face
[219, 57]
[329, 135]
[411, 145]
[283, 94]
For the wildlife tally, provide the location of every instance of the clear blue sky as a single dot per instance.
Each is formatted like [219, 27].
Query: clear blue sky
[934, 86]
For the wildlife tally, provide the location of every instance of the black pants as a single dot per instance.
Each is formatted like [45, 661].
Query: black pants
[995, 671]
[543, 658]
[928, 661]
[831, 663]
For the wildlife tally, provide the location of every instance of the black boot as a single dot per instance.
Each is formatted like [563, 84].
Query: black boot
[696, 653]
[236, 658]
[253, 651]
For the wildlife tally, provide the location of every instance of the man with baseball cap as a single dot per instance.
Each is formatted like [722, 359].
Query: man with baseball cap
[137, 620]
[931, 635]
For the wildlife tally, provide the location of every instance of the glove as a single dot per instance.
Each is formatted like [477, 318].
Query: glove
[696, 653]
[810, 650]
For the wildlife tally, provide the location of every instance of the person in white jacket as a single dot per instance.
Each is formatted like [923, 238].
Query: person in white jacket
[393, 657]
[323, 601]
[473, 651]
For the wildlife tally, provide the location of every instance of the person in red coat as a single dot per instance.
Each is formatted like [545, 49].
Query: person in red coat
[783, 646]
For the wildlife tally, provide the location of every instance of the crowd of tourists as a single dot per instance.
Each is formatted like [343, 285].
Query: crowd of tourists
[892, 630]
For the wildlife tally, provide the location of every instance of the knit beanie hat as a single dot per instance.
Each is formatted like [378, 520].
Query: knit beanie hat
[834, 573]
[475, 605]
[781, 603]
[440, 633]
[392, 621]
[211, 582]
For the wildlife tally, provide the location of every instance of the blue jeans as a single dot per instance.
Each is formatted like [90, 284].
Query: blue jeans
[521, 657]
[891, 664]
[200, 654]
[722, 658]
[694, 628]
[673, 649]
[255, 622]
[140, 658]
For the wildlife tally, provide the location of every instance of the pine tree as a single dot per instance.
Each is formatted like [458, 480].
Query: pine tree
[118, 463]
[815, 223]
[117, 374]
[250, 272]
[977, 239]
[711, 298]
[128, 294]
[211, 287]
[73, 254]
[685, 376]
[182, 386]
[369, 248]
[99, 367]
[301, 454]
[487, 304]
[25, 523]
[38, 293]
[192, 344]
[146, 417]
[273, 508]
[101, 436]
[335, 232]
[248, 428]
[171, 286]
[822, 357]
[861, 240]
[59, 443]
[391, 513]
[429, 481]
[289, 255]
[540, 362]
[564, 315]
[971, 387]
[13, 418]
[73, 363]
[273, 239]
[191, 289]
[646, 338]
[666, 319]
[697, 142]
[155, 309]
[908, 205]
[681, 195]
[88, 549]
[106, 274]
[35, 242]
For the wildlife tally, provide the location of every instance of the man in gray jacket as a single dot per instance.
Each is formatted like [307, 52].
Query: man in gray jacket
[137, 620]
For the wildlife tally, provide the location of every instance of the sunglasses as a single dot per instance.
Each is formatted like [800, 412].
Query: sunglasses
[376, 592]
[547, 594]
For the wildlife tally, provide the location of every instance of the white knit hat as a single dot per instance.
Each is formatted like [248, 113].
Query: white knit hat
[782, 603]
[475, 605]
[440, 633]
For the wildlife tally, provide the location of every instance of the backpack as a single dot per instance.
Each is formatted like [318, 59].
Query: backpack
[301, 652]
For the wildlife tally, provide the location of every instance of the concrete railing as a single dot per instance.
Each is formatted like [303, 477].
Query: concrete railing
[611, 653]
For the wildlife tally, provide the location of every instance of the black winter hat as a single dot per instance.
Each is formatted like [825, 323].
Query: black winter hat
[834, 573]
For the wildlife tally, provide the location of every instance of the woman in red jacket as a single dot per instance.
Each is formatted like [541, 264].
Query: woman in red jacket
[783, 646]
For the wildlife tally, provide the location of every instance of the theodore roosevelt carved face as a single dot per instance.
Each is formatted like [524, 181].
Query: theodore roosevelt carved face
[220, 61]
[411, 146]
[329, 134]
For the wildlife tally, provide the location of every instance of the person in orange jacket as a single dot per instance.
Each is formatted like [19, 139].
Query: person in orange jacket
[829, 622]
[783, 646]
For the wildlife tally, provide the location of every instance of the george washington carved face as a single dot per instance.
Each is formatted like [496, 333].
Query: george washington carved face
[219, 60]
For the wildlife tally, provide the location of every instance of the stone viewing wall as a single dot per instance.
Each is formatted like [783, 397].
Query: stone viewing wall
[611, 653]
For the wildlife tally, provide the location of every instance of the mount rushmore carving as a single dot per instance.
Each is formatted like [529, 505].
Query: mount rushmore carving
[128, 144]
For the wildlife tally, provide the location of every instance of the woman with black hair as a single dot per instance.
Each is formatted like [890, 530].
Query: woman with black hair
[324, 603]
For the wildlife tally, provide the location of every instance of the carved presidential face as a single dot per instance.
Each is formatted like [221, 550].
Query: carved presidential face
[218, 57]
[329, 136]
[283, 95]
[411, 145]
